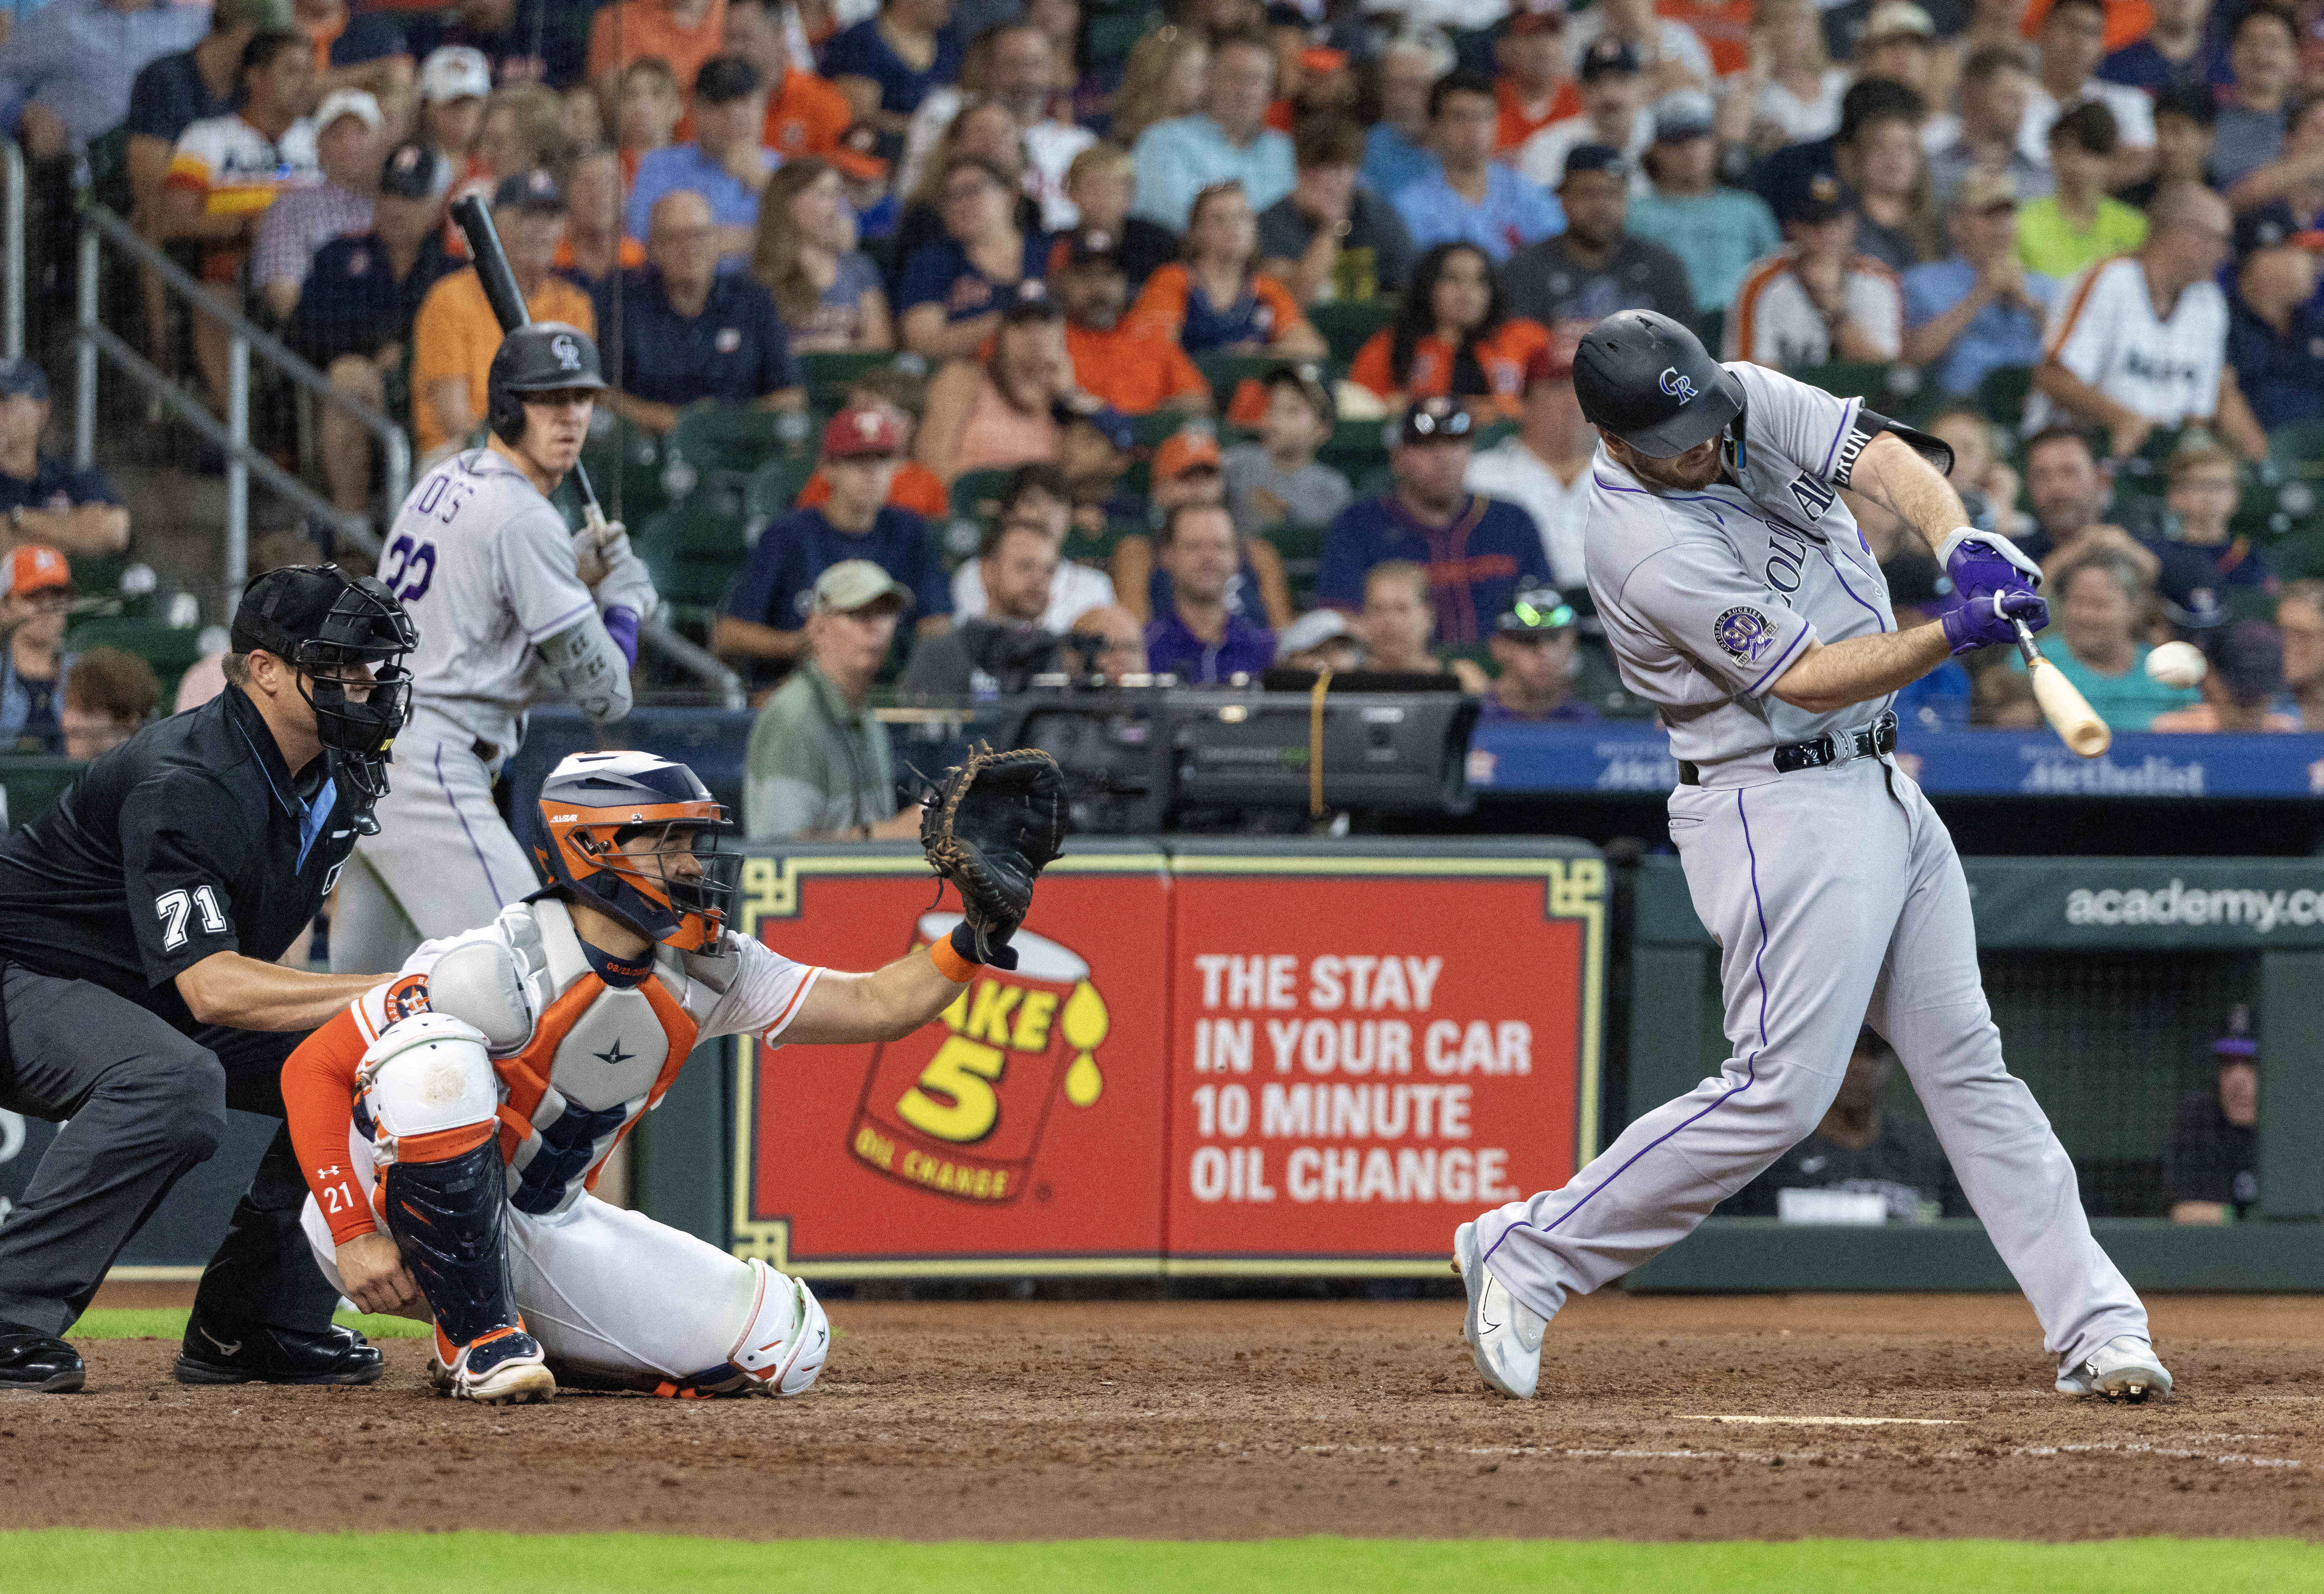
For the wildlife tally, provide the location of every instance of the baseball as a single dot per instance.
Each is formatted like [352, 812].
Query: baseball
[2176, 664]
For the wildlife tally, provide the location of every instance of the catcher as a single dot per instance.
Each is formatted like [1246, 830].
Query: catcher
[451, 1121]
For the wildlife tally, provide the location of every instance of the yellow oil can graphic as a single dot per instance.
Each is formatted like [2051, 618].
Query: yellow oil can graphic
[958, 1107]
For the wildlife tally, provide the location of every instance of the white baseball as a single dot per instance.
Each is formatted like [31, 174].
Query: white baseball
[2176, 664]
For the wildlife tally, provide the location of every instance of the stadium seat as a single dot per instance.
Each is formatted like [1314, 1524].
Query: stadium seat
[1849, 378]
[1355, 446]
[170, 650]
[1112, 35]
[33, 782]
[1302, 549]
[625, 468]
[1152, 429]
[976, 494]
[717, 448]
[2002, 395]
[1225, 373]
[1347, 326]
[828, 373]
[2299, 449]
[693, 553]
[774, 488]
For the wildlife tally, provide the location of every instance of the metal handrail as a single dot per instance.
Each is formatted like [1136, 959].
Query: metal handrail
[232, 436]
[12, 262]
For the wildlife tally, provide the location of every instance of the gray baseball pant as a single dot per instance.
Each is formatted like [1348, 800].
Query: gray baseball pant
[1837, 900]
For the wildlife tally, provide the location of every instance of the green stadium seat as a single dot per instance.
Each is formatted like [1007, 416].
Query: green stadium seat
[1346, 328]
[774, 488]
[33, 782]
[1355, 445]
[1302, 548]
[828, 373]
[1225, 373]
[1151, 430]
[625, 468]
[1848, 379]
[976, 494]
[170, 650]
[1113, 34]
[2002, 395]
[692, 553]
[2299, 449]
[715, 449]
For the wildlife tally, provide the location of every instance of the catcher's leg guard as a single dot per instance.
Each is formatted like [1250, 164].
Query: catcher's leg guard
[779, 1351]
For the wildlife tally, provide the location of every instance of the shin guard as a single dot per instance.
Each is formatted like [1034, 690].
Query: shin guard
[448, 1217]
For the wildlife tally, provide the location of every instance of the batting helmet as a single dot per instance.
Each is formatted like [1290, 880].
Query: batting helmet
[543, 357]
[594, 804]
[1646, 379]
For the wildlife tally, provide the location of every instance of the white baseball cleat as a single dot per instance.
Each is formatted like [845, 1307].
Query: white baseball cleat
[1504, 1333]
[2125, 1368]
[504, 1368]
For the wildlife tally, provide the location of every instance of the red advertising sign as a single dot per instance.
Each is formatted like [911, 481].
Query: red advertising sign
[1021, 1133]
[1367, 1052]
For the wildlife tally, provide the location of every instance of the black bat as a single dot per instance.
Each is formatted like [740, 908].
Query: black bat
[475, 220]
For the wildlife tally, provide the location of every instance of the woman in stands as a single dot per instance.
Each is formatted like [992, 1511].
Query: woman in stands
[828, 294]
[1169, 71]
[886, 64]
[1799, 89]
[1453, 337]
[952, 287]
[1212, 302]
[1007, 407]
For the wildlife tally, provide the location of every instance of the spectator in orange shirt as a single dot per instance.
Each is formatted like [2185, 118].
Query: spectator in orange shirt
[904, 396]
[455, 336]
[1214, 300]
[806, 115]
[684, 33]
[1454, 337]
[1533, 86]
[1133, 365]
[646, 112]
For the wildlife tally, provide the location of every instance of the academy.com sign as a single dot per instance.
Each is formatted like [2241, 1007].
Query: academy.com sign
[2181, 904]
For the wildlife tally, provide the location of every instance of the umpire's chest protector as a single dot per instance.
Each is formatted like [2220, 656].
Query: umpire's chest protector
[600, 1055]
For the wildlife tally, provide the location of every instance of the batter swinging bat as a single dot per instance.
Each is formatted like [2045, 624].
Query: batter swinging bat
[475, 220]
[2067, 710]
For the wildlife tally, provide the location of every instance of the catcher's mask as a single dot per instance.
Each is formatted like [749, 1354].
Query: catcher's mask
[594, 804]
[347, 640]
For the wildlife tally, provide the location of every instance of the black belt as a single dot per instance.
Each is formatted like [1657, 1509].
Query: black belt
[1819, 752]
[486, 752]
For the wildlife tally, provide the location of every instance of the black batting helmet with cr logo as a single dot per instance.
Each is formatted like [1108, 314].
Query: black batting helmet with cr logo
[1646, 379]
[543, 357]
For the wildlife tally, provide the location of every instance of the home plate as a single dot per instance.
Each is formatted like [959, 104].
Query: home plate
[1829, 1422]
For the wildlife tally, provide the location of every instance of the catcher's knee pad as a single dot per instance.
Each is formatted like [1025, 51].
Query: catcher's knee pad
[779, 1351]
[428, 1087]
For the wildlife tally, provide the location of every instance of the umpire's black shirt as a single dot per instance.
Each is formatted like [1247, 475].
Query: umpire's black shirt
[187, 840]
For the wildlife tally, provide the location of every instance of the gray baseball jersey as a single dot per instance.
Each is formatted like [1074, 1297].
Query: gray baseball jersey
[1834, 893]
[1708, 597]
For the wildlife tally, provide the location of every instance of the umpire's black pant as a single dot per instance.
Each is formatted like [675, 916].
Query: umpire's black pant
[144, 1104]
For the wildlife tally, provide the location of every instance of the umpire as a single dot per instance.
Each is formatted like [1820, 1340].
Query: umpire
[140, 920]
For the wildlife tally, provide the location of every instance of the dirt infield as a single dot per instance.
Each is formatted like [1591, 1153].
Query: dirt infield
[1231, 1420]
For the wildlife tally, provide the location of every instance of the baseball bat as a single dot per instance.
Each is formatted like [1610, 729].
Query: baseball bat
[2067, 710]
[475, 220]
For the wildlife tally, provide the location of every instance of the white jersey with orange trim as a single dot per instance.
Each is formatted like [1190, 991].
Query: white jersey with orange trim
[2103, 329]
[1774, 323]
[599, 1056]
[236, 169]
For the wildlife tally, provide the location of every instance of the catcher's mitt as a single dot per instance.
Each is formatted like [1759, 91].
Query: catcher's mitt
[989, 827]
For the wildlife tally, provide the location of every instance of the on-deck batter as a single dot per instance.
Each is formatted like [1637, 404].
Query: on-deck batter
[510, 603]
[1739, 596]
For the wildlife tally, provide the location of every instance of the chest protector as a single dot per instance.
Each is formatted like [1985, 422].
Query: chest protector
[599, 1057]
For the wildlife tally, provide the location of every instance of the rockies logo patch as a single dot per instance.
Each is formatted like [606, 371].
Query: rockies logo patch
[1745, 632]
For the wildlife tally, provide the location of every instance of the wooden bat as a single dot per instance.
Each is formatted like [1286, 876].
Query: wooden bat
[475, 220]
[2068, 712]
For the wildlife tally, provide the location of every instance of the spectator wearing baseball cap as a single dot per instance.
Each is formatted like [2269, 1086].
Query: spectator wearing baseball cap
[725, 163]
[1614, 112]
[2211, 1168]
[456, 333]
[1595, 267]
[1330, 239]
[45, 500]
[357, 309]
[1818, 301]
[766, 614]
[1319, 639]
[454, 82]
[36, 595]
[1133, 367]
[819, 767]
[692, 334]
[1717, 231]
[1533, 80]
[348, 148]
[1479, 553]
[902, 391]
[1979, 309]
[1472, 198]
[1006, 407]
[2241, 686]
[1672, 52]
[1541, 468]
[2275, 330]
[1533, 647]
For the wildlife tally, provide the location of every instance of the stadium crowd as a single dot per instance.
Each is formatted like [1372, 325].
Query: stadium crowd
[1240, 336]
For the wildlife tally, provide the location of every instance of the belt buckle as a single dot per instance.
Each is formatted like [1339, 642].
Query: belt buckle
[1839, 747]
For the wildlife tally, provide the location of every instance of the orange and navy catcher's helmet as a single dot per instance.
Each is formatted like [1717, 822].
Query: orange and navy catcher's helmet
[594, 803]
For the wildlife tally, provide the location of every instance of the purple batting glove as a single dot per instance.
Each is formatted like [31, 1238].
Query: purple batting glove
[1981, 562]
[621, 625]
[1987, 618]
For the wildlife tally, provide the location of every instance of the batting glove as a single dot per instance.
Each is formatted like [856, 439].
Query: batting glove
[1985, 562]
[1990, 617]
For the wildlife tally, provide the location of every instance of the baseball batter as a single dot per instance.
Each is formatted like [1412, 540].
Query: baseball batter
[511, 605]
[451, 1122]
[1739, 596]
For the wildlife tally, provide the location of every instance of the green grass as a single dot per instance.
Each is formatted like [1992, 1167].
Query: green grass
[122, 1323]
[68, 1561]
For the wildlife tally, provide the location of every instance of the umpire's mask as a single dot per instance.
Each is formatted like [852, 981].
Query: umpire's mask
[333, 629]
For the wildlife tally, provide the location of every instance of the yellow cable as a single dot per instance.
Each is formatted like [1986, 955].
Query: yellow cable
[1315, 742]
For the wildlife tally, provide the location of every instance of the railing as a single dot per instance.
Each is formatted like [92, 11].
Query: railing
[231, 437]
[11, 254]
